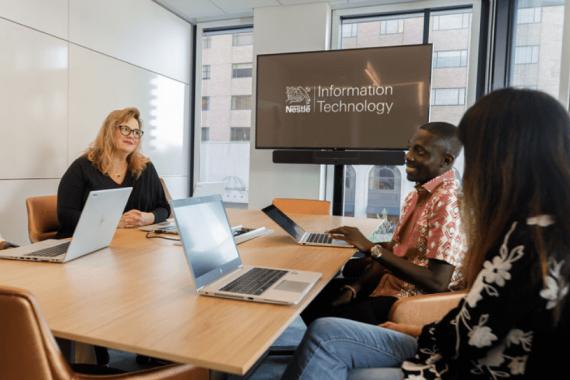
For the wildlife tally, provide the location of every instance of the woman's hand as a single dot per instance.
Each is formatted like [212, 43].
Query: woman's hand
[135, 218]
[353, 236]
[412, 330]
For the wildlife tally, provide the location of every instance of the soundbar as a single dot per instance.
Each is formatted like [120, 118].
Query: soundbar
[340, 157]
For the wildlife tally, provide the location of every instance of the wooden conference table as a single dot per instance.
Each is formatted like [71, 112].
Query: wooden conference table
[138, 296]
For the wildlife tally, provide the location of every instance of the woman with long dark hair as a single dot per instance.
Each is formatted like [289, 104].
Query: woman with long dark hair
[513, 323]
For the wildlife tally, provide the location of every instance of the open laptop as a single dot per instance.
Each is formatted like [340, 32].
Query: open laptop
[299, 234]
[215, 262]
[200, 190]
[94, 231]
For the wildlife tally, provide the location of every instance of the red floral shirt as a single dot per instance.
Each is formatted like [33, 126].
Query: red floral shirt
[431, 224]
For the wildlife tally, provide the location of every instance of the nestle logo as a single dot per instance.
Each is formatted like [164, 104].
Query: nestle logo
[298, 99]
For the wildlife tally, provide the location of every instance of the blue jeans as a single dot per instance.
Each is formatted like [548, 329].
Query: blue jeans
[333, 346]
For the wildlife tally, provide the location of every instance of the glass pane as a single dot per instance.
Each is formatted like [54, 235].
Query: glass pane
[450, 34]
[537, 45]
[226, 112]
[377, 191]
[382, 31]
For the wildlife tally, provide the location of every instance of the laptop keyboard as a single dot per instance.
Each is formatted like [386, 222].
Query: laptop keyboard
[51, 251]
[319, 238]
[255, 281]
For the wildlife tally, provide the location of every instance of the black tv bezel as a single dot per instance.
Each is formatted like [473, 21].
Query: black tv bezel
[339, 148]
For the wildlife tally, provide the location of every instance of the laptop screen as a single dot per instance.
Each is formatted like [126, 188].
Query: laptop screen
[207, 238]
[284, 222]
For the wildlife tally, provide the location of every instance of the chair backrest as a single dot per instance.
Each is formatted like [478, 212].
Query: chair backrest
[27, 347]
[425, 308]
[42, 217]
[303, 206]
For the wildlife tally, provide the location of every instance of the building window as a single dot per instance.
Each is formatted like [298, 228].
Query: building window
[349, 30]
[529, 15]
[449, 58]
[381, 178]
[206, 72]
[205, 103]
[451, 21]
[241, 102]
[448, 96]
[239, 133]
[392, 26]
[206, 42]
[526, 54]
[242, 39]
[205, 133]
[241, 70]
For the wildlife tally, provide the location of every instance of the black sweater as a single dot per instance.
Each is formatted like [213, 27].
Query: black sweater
[82, 177]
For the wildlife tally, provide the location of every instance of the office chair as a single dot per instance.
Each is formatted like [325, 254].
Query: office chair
[303, 206]
[42, 217]
[28, 349]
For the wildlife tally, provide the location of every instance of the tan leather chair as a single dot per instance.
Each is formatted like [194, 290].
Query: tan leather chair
[28, 349]
[425, 308]
[42, 217]
[303, 206]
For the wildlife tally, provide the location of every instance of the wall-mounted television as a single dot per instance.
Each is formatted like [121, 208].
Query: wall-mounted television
[355, 99]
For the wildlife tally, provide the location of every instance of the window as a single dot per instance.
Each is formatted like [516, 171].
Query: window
[242, 39]
[205, 134]
[382, 31]
[241, 102]
[448, 96]
[392, 26]
[349, 30]
[537, 45]
[205, 103]
[241, 70]
[529, 15]
[378, 191]
[205, 72]
[526, 54]
[206, 42]
[221, 158]
[239, 133]
[450, 58]
[451, 21]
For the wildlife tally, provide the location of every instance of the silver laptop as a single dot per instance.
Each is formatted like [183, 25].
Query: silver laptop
[299, 234]
[215, 262]
[94, 231]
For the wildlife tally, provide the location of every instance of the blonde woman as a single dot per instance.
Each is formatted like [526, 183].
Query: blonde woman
[112, 161]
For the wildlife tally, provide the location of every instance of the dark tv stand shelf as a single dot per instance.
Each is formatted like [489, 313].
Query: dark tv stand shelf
[339, 157]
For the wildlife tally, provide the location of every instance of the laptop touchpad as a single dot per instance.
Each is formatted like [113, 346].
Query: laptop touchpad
[292, 286]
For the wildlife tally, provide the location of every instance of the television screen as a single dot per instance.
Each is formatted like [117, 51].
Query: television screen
[372, 98]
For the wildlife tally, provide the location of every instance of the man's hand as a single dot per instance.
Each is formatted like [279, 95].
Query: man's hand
[412, 330]
[136, 218]
[353, 236]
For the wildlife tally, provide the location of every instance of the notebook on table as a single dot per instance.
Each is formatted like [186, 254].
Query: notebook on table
[95, 229]
[215, 262]
[299, 234]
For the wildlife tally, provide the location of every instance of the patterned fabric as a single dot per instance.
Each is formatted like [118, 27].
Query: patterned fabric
[504, 323]
[429, 228]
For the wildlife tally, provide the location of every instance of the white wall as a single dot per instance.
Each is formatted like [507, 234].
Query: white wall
[65, 64]
[279, 30]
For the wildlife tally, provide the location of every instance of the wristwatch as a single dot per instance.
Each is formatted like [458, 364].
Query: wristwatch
[376, 252]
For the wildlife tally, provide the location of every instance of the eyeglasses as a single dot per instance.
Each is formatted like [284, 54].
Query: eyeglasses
[126, 131]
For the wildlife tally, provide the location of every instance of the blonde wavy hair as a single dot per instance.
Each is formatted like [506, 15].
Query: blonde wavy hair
[100, 152]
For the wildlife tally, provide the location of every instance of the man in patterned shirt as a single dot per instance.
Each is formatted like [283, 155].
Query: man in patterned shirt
[427, 247]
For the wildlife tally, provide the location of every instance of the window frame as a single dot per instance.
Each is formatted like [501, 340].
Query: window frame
[334, 175]
[201, 29]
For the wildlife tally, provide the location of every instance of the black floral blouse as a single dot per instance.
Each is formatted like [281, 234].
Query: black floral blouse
[505, 327]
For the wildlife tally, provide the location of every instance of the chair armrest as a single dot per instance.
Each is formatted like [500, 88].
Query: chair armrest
[425, 308]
